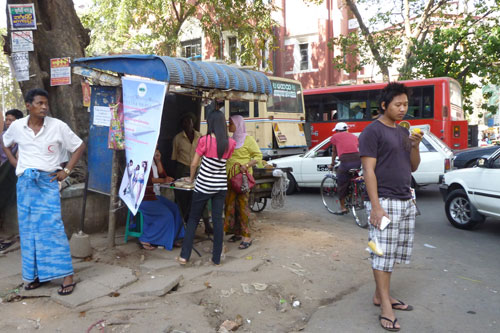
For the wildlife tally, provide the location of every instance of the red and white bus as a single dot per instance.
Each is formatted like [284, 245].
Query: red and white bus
[435, 102]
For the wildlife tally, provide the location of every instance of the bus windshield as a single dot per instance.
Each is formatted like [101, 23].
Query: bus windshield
[286, 97]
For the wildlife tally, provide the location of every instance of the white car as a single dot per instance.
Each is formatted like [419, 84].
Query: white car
[472, 194]
[310, 168]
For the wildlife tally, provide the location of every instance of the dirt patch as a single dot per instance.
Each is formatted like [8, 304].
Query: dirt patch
[306, 262]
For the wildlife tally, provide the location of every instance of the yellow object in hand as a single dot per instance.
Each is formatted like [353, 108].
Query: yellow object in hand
[373, 245]
[416, 130]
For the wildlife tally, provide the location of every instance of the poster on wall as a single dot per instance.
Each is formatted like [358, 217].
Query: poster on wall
[60, 72]
[22, 41]
[21, 64]
[142, 108]
[22, 16]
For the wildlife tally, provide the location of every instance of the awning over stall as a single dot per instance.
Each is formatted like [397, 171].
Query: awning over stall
[182, 72]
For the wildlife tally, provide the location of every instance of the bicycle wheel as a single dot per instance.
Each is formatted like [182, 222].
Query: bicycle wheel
[329, 194]
[258, 205]
[358, 208]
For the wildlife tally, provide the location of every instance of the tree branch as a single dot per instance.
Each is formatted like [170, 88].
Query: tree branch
[369, 39]
[406, 17]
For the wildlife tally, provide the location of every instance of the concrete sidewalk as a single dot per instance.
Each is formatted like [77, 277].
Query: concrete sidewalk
[125, 271]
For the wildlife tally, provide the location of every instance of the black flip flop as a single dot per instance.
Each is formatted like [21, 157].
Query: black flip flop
[341, 212]
[234, 239]
[34, 285]
[5, 245]
[391, 329]
[399, 303]
[62, 291]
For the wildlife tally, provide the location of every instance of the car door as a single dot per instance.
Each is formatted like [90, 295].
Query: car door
[315, 165]
[485, 186]
[431, 164]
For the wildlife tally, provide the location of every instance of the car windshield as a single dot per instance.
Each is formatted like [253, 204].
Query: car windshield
[439, 142]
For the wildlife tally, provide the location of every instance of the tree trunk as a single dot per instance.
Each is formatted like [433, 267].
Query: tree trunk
[59, 34]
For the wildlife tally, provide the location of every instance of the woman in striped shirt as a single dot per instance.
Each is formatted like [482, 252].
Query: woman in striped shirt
[213, 150]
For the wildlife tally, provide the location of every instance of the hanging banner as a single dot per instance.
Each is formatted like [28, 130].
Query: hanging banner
[60, 72]
[21, 63]
[142, 109]
[22, 17]
[116, 138]
[22, 41]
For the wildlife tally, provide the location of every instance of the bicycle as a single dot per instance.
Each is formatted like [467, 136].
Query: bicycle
[354, 198]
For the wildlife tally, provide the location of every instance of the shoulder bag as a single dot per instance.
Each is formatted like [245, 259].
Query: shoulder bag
[241, 182]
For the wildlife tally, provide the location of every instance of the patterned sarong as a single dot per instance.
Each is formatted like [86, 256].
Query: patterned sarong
[44, 245]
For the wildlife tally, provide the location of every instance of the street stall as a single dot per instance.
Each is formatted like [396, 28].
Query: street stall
[137, 101]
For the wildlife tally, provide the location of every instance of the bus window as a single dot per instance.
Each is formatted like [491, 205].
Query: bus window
[319, 109]
[455, 94]
[287, 97]
[414, 103]
[240, 108]
[428, 105]
[420, 103]
[352, 105]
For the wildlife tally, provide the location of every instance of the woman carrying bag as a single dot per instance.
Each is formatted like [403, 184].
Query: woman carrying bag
[245, 156]
[211, 183]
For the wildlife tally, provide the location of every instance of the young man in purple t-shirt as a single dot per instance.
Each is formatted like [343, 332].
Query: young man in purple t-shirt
[389, 155]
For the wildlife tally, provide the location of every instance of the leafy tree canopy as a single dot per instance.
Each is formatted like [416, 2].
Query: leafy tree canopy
[427, 38]
[154, 26]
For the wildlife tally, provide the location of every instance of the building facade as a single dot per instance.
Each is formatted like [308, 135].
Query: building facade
[301, 49]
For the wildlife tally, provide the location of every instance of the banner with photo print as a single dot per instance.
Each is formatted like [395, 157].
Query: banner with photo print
[142, 109]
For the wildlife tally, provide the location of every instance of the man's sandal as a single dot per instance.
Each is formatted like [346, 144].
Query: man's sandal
[34, 285]
[399, 303]
[63, 291]
[391, 329]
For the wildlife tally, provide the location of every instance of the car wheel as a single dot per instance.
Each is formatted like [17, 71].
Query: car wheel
[471, 163]
[460, 211]
[292, 184]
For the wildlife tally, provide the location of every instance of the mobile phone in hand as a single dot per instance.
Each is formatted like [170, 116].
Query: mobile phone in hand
[384, 223]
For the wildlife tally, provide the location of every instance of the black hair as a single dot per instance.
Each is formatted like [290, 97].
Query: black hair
[216, 122]
[30, 95]
[18, 114]
[390, 91]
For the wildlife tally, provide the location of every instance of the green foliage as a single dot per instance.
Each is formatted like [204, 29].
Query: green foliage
[462, 43]
[154, 26]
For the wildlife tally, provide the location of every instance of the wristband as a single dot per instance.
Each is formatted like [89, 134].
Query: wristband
[68, 171]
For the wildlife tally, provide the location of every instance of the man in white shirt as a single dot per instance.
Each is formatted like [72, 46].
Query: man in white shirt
[42, 144]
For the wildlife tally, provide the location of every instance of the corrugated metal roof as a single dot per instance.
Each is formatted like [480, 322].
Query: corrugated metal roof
[180, 71]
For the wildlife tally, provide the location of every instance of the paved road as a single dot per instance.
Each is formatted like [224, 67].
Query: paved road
[453, 281]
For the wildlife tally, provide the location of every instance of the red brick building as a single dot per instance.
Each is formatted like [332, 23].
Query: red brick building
[302, 37]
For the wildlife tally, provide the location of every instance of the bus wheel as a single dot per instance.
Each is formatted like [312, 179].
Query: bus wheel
[292, 184]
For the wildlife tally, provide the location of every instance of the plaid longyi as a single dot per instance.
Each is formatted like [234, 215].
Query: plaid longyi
[396, 240]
